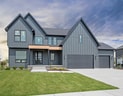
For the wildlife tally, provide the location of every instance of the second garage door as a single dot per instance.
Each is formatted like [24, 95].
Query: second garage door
[80, 61]
[104, 61]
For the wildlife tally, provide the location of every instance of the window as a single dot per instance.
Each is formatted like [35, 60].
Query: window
[20, 35]
[17, 35]
[23, 36]
[21, 57]
[80, 38]
[49, 40]
[52, 56]
[54, 41]
[38, 40]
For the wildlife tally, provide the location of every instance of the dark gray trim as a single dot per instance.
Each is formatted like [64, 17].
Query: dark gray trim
[19, 16]
[28, 14]
[104, 46]
[56, 31]
[74, 26]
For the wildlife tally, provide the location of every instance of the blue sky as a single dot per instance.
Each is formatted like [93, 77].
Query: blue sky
[103, 17]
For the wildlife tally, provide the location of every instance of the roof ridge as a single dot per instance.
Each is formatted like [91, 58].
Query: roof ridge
[16, 18]
[28, 14]
[71, 30]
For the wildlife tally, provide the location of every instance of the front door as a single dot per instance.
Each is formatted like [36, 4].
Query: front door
[38, 57]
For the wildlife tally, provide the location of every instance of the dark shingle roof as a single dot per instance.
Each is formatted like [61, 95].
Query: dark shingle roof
[105, 46]
[19, 16]
[121, 47]
[56, 31]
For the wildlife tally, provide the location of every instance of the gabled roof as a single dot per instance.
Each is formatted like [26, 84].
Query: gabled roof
[105, 46]
[28, 14]
[121, 47]
[74, 26]
[56, 31]
[19, 16]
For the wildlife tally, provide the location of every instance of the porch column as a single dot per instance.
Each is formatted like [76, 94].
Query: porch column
[48, 57]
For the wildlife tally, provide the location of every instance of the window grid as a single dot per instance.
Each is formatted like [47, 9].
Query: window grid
[20, 57]
[52, 41]
[38, 40]
[20, 35]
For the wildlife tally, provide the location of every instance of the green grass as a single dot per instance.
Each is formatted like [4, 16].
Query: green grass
[25, 83]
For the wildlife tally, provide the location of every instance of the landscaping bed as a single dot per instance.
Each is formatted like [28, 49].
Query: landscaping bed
[56, 69]
[26, 83]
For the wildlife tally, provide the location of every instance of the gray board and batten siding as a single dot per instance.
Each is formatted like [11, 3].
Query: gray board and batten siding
[72, 47]
[75, 53]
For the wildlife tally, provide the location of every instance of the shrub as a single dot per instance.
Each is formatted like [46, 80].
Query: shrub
[21, 68]
[7, 68]
[14, 68]
[3, 64]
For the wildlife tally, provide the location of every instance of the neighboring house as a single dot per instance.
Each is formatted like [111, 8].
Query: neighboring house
[119, 55]
[30, 44]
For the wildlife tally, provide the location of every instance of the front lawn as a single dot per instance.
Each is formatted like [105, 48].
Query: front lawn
[25, 83]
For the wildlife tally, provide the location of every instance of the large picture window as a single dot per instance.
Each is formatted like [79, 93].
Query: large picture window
[20, 35]
[21, 57]
[38, 40]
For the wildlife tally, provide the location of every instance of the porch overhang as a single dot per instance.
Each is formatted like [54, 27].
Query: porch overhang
[44, 47]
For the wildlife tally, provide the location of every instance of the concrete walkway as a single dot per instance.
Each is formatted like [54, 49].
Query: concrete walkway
[38, 69]
[110, 76]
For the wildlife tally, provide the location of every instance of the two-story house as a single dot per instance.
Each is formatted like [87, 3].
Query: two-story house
[30, 44]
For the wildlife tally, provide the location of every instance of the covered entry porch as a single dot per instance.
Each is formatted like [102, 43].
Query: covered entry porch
[45, 55]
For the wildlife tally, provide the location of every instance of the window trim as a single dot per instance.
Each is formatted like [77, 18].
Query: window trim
[54, 41]
[20, 35]
[80, 38]
[35, 40]
[52, 58]
[21, 60]
[50, 41]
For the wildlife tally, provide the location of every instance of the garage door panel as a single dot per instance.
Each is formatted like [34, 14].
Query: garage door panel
[80, 61]
[104, 61]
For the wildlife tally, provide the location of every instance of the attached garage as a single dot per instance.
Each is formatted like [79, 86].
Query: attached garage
[104, 61]
[80, 61]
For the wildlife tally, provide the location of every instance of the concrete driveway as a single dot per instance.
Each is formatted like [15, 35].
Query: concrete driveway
[110, 76]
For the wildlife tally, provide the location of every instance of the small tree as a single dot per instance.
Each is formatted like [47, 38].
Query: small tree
[3, 64]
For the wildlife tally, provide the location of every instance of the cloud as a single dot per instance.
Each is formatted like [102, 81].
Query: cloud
[103, 17]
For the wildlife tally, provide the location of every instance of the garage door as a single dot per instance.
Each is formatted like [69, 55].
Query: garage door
[80, 61]
[104, 61]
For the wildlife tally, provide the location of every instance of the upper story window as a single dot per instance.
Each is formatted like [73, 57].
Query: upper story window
[38, 40]
[80, 38]
[20, 35]
[52, 41]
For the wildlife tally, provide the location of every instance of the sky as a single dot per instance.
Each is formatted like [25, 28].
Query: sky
[103, 17]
